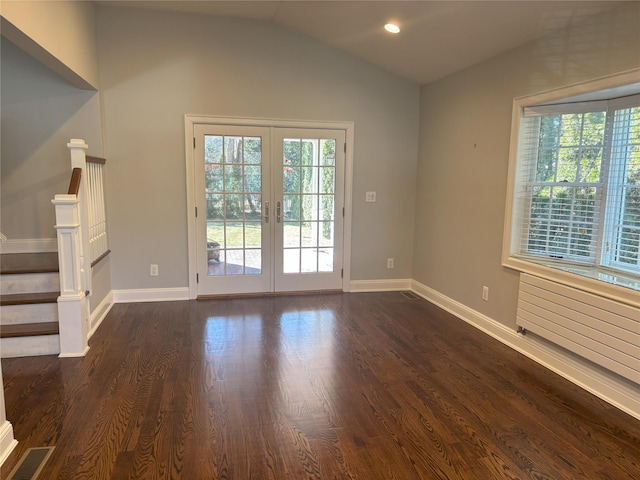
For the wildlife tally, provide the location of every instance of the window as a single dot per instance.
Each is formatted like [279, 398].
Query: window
[576, 188]
[622, 226]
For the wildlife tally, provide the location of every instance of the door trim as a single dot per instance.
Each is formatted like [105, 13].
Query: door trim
[189, 123]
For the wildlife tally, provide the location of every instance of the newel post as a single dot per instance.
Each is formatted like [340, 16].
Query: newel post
[78, 150]
[73, 311]
[75, 271]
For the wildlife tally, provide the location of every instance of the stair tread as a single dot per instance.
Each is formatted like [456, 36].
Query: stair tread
[29, 329]
[12, 263]
[29, 298]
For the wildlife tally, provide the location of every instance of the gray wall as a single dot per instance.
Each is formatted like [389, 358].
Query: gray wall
[156, 67]
[60, 34]
[465, 123]
[40, 112]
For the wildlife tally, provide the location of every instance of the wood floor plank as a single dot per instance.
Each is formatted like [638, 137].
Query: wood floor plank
[340, 386]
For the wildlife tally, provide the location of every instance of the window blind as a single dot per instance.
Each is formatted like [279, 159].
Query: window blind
[578, 183]
[622, 222]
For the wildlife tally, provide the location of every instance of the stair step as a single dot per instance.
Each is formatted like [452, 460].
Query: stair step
[29, 346]
[29, 298]
[29, 330]
[11, 263]
[32, 313]
[28, 304]
[29, 282]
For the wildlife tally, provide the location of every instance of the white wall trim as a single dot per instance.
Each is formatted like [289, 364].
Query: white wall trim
[83, 353]
[390, 285]
[99, 313]
[29, 245]
[150, 295]
[609, 387]
[7, 441]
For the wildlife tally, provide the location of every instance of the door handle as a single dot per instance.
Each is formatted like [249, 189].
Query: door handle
[278, 213]
[266, 212]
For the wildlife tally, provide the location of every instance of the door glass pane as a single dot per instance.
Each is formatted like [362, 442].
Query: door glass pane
[253, 259]
[325, 260]
[233, 208]
[310, 214]
[291, 263]
[309, 152]
[213, 149]
[327, 179]
[328, 155]
[309, 260]
[235, 262]
[215, 206]
[291, 147]
[232, 150]
[252, 234]
[233, 182]
[291, 207]
[253, 178]
[326, 234]
[309, 234]
[252, 150]
[232, 178]
[215, 233]
[212, 178]
[291, 179]
[291, 234]
[253, 206]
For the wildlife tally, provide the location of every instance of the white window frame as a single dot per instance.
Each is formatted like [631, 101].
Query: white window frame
[614, 205]
[617, 284]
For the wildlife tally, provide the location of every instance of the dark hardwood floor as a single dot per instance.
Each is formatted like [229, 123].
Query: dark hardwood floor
[342, 386]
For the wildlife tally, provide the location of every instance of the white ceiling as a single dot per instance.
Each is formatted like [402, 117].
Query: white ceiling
[437, 38]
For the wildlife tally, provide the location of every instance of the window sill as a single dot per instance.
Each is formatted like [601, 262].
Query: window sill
[613, 285]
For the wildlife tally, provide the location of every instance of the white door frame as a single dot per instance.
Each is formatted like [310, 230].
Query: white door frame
[191, 120]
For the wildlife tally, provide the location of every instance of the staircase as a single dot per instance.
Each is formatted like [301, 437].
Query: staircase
[29, 284]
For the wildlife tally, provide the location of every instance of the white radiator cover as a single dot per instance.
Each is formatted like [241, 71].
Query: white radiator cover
[599, 329]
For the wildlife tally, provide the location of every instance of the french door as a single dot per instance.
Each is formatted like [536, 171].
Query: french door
[269, 208]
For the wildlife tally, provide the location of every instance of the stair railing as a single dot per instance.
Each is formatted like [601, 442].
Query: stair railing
[82, 242]
[97, 218]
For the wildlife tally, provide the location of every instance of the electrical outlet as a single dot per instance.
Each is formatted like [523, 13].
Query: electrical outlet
[389, 262]
[485, 293]
[153, 271]
[370, 197]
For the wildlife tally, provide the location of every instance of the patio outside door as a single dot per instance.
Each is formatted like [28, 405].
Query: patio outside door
[269, 205]
[309, 209]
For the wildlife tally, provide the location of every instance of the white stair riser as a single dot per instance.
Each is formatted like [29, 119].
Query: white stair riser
[30, 346]
[30, 283]
[36, 313]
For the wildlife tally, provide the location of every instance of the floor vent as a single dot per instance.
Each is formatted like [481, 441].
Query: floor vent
[31, 463]
[410, 295]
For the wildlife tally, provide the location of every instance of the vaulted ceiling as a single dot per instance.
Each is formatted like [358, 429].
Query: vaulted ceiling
[437, 38]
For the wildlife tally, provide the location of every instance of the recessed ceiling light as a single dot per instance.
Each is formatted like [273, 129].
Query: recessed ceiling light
[392, 28]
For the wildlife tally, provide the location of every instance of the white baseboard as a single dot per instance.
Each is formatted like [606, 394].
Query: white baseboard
[607, 386]
[150, 295]
[29, 245]
[7, 441]
[393, 285]
[99, 313]
[75, 355]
